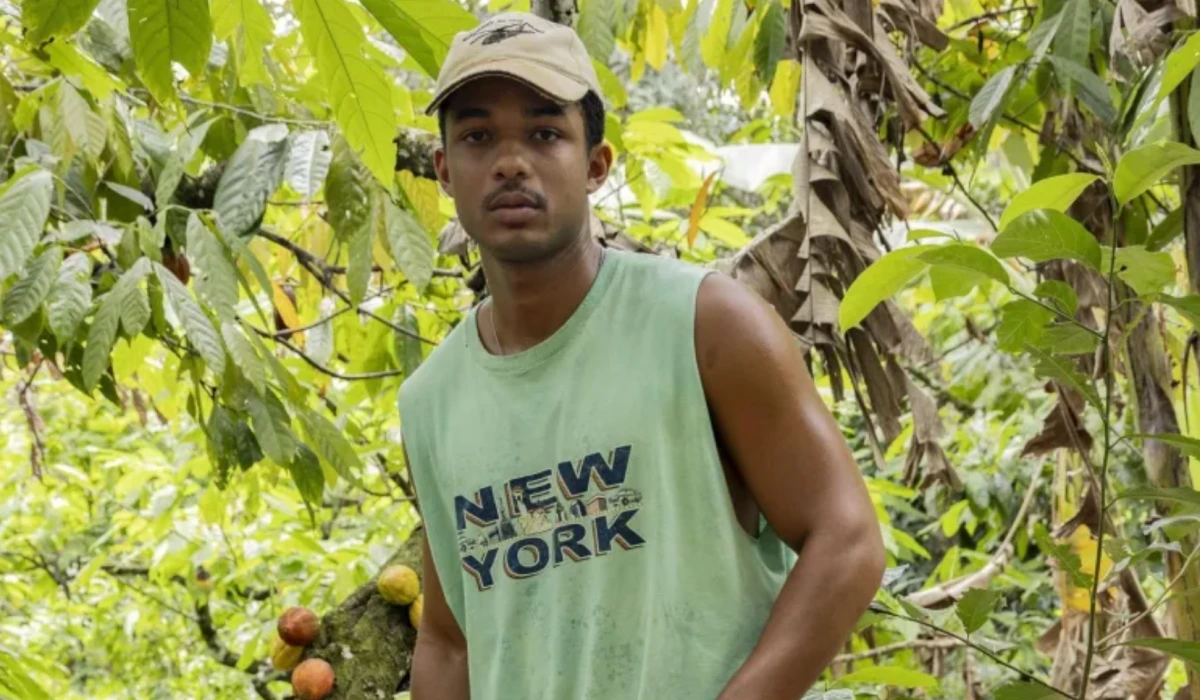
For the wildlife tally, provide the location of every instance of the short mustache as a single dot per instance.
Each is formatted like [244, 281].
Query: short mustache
[539, 201]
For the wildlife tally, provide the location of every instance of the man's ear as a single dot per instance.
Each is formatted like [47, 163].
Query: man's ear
[443, 171]
[600, 162]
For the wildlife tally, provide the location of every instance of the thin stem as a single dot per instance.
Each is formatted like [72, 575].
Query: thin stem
[1055, 311]
[1157, 601]
[968, 643]
[994, 14]
[1108, 384]
[323, 369]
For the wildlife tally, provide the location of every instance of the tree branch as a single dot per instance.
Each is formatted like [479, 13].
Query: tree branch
[382, 374]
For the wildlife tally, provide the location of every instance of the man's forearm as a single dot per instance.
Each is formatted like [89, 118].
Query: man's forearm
[826, 593]
[439, 671]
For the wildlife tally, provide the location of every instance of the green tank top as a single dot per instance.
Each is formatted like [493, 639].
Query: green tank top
[575, 504]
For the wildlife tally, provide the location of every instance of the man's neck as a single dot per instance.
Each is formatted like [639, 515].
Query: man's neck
[530, 301]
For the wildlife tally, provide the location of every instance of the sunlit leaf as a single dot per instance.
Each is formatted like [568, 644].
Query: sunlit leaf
[894, 676]
[768, 45]
[1022, 321]
[424, 28]
[1181, 494]
[1142, 168]
[411, 246]
[967, 257]
[167, 31]
[357, 88]
[992, 97]
[1061, 293]
[1027, 690]
[31, 290]
[975, 606]
[196, 325]
[1186, 651]
[43, 19]
[1147, 272]
[881, 280]
[308, 162]
[1045, 234]
[1179, 65]
[24, 206]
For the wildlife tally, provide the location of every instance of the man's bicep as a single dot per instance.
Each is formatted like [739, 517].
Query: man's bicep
[769, 416]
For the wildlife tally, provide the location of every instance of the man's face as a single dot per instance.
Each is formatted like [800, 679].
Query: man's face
[518, 168]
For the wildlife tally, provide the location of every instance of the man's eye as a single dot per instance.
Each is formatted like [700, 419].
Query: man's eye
[474, 136]
[546, 135]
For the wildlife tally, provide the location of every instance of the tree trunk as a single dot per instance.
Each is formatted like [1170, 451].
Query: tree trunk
[368, 641]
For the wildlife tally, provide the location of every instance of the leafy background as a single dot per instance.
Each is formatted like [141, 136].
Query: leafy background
[222, 250]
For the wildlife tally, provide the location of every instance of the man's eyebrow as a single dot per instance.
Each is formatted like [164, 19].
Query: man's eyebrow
[470, 113]
[547, 110]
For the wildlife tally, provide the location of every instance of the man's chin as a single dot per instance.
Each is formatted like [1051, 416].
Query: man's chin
[519, 245]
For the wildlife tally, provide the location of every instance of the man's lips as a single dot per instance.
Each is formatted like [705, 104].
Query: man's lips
[514, 208]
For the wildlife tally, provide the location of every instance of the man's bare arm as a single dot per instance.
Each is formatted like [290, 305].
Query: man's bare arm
[439, 666]
[796, 464]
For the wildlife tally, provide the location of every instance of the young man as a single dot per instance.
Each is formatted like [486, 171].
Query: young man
[618, 456]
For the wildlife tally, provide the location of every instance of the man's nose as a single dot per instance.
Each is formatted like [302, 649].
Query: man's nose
[511, 161]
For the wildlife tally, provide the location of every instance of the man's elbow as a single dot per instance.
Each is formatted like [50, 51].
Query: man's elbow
[870, 557]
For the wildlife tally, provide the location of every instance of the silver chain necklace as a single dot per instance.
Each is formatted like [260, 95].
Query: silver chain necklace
[492, 311]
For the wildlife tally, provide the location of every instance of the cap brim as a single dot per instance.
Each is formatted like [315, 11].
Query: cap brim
[550, 83]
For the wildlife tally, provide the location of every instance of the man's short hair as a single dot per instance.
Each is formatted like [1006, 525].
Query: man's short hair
[593, 119]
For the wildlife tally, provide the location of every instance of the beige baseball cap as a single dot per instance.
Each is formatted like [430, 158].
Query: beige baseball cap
[546, 56]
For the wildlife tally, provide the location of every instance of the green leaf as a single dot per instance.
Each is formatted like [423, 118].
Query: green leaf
[213, 273]
[1027, 690]
[1061, 293]
[272, 427]
[769, 43]
[1180, 64]
[951, 282]
[1093, 91]
[167, 31]
[252, 174]
[1067, 339]
[30, 291]
[360, 246]
[1175, 495]
[1045, 234]
[356, 87]
[1147, 272]
[410, 245]
[1074, 38]
[975, 606]
[1188, 652]
[24, 206]
[614, 89]
[135, 311]
[423, 28]
[1166, 230]
[886, 276]
[43, 19]
[168, 180]
[247, 21]
[347, 191]
[331, 445]
[73, 111]
[103, 332]
[1188, 307]
[1042, 37]
[1021, 322]
[715, 40]
[596, 27]
[306, 472]
[1055, 193]
[1063, 370]
[131, 194]
[244, 356]
[1194, 107]
[70, 297]
[307, 162]
[408, 348]
[1141, 168]
[990, 101]
[894, 676]
[196, 325]
[1066, 557]
[967, 257]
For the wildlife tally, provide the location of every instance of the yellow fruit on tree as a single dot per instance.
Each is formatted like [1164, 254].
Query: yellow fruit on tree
[399, 585]
[284, 656]
[414, 611]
